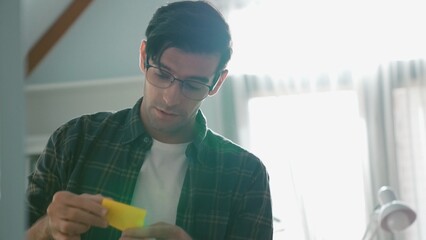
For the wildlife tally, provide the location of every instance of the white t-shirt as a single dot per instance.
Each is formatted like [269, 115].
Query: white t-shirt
[160, 182]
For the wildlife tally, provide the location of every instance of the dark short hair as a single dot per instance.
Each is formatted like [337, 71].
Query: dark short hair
[192, 26]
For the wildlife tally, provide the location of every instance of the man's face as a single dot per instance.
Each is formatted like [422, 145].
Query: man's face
[168, 115]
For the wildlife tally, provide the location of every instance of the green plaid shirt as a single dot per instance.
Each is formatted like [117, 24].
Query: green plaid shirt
[225, 194]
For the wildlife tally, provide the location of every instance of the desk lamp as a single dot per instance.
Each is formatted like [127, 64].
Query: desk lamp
[391, 215]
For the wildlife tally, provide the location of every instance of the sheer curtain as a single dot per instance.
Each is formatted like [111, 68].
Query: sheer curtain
[313, 55]
[394, 106]
[309, 135]
[390, 102]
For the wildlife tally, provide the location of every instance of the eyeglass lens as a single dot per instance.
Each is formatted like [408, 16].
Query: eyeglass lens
[192, 89]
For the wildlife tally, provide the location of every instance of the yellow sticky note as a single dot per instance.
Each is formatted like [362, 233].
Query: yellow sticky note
[123, 216]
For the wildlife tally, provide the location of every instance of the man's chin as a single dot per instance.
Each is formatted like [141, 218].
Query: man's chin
[165, 128]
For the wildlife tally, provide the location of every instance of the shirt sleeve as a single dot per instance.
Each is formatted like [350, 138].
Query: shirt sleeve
[41, 183]
[253, 217]
[48, 174]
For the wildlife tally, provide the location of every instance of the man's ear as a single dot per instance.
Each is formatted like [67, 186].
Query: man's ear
[142, 56]
[219, 83]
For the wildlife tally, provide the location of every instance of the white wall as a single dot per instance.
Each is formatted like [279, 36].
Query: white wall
[50, 105]
[102, 43]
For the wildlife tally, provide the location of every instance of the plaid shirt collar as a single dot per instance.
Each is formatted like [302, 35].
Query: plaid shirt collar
[134, 129]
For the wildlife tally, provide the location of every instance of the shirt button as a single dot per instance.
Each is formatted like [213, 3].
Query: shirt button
[146, 139]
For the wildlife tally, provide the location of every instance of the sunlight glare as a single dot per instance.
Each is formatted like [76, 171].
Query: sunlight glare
[293, 37]
[313, 146]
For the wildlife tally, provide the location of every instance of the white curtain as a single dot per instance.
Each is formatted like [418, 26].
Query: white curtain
[392, 103]
[394, 106]
[297, 48]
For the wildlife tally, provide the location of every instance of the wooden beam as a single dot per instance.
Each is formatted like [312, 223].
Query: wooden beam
[54, 33]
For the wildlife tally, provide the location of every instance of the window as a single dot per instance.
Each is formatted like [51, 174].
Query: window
[410, 147]
[314, 147]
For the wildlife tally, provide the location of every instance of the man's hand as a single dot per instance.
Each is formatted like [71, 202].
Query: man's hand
[163, 231]
[69, 215]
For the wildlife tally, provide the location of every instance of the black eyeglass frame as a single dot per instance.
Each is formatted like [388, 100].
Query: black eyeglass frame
[211, 87]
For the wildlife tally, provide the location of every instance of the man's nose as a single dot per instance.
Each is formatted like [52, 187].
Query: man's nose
[173, 95]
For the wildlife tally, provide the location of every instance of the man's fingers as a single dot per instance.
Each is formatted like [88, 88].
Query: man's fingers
[97, 198]
[87, 202]
[71, 214]
[84, 217]
[69, 228]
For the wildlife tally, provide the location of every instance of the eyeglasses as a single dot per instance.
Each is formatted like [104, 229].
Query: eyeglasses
[192, 89]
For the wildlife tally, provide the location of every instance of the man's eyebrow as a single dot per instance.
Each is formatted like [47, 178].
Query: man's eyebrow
[194, 78]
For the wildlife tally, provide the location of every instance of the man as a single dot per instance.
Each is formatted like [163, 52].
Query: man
[159, 155]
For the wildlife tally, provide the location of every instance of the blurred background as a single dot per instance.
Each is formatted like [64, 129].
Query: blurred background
[331, 95]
